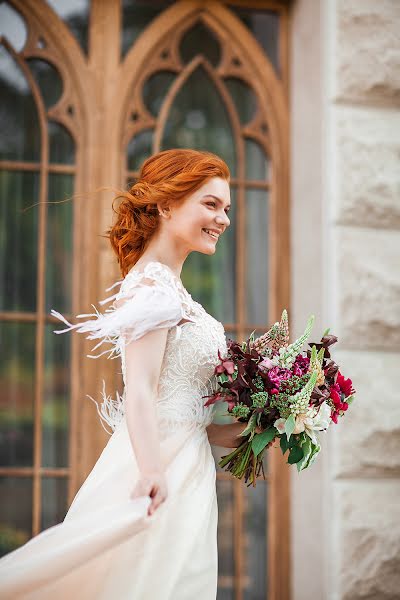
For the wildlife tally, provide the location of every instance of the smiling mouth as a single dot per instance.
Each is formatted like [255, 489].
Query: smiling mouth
[213, 235]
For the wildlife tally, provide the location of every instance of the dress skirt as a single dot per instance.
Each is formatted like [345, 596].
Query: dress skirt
[108, 548]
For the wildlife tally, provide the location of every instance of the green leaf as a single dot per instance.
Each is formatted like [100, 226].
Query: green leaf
[284, 443]
[314, 453]
[260, 440]
[290, 424]
[349, 399]
[326, 332]
[296, 453]
[251, 425]
[306, 446]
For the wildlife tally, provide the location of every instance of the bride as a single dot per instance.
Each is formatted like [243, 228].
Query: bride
[144, 523]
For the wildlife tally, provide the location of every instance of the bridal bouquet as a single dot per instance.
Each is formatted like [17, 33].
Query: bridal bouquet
[289, 394]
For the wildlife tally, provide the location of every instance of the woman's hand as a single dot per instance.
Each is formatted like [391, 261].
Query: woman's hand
[228, 435]
[153, 485]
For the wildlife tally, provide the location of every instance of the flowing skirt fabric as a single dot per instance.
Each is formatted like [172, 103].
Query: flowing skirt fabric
[107, 547]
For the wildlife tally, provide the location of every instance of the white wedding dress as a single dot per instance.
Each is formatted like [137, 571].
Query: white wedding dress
[107, 547]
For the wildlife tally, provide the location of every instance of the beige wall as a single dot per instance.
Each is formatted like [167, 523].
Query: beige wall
[345, 223]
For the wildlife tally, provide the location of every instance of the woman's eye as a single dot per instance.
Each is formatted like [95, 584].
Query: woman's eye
[213, 203]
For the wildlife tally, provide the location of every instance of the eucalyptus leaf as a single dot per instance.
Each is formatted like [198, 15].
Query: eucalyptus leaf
[260, 440]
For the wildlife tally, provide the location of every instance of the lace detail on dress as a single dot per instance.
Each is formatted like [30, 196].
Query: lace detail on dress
[146, 300]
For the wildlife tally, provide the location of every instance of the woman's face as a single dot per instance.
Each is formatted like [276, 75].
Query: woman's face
[206, 208]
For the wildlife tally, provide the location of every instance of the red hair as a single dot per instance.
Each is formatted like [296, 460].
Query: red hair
[165, 178]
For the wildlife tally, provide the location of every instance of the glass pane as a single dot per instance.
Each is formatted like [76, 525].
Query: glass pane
[226, 565]
[136, 16]
[18, 240]
[48, 80]
[139, 148]
[13, 26]
[211, 280]
[19, 123]
[15, 512]
[257, 164]
[155, 89]
[200, 40]
[264, 25]
[243, 98]
[17, 389]
[198, 119]
[76, 16]
[59, 243]
[255, 543]
[55, 416]
[62, 146]
[54, 501]
[257, 256]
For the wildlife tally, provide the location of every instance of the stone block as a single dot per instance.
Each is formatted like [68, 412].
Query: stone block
[367, 283]
[368, 174]
[369, 540]
[367, 437]
[367, 48]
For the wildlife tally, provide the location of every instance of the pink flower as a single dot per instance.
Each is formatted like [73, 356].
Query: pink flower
[278, 374]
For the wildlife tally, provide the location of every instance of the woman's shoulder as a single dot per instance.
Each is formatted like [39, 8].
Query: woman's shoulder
[152, 274]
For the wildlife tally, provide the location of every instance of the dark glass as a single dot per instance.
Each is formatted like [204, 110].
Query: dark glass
[54, 501]
[59, 243]
[255, 542]
[155, 89]
[76, 16]
[16, 512]
[62, 146]
[17, 389]
[226, 523]
[257, 247]
[19, 122]
[243, 97]
[56, 395]
[198, 119]
[18, 240]
[264, 25]
[211, 279]
[48, 80]
[200, 40]
[257, 163]
[139, 148]
[136, 16]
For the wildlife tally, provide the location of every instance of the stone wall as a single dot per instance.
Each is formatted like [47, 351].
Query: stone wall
[363, 192]
[345, 214]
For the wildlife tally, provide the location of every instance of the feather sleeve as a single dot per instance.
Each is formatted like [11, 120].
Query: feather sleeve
[145, 301]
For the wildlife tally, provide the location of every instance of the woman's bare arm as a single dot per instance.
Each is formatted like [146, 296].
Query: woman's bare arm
[143, 366]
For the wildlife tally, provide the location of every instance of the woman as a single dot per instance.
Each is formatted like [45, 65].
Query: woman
[144, 523]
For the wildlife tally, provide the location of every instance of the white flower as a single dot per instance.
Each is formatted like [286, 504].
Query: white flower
[322, 419]
[280, 425]
[313, 420]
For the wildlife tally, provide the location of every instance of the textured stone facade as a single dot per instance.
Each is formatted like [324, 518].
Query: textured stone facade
[365, 229]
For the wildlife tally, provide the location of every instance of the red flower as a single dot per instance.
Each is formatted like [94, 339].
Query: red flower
[335, 395]
[346, 385]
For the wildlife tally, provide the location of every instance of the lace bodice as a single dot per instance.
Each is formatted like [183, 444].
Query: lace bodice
[146, 300]
[187, 371]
